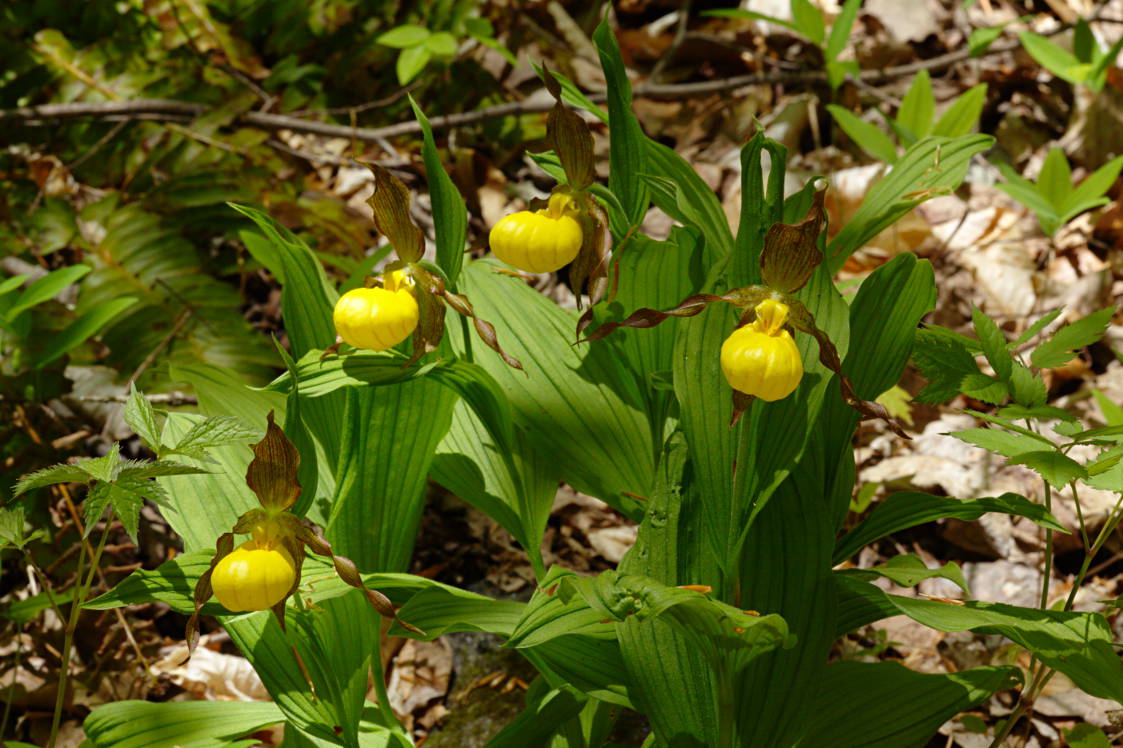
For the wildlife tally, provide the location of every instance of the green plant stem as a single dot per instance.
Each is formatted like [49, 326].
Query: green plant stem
[12, 688]
[1080, 515]
[467, 339]
[1048, 570]
[379, 673]
[72, 626]
[726, 709]
[1042, 677]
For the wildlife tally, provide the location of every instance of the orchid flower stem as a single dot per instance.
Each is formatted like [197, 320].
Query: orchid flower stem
[467, 338]
[379, 672]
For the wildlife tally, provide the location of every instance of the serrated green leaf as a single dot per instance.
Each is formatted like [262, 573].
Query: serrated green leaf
[49, 476]
[211, 432]
[1056, 468]
[1037, 412]
[944, 362]
[1026, 388]
[1059, 349]
[1035, 329]
[141, 417]
[1001, 442]
[908, 570]
[103, 468]
[984, 387]
[993, 342]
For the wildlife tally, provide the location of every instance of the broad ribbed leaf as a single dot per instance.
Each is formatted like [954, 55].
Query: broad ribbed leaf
[450, 216]
[438, 611]
[389, 434]
[188, 724]
[513, 485]
[626, 155]
[933, 166]
[680, 193]
[786, 563]
[576, 404]
[886, 705]
[909, 509]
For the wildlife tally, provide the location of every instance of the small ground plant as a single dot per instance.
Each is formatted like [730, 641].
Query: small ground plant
[709, 389]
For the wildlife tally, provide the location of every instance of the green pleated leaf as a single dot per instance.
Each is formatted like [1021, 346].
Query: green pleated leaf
[576, 404]
[389, 436]
[513, 485]
[307, 297]
[450, 216]
[626, 155]
[886, 705]
[188, 724]
[786, 563]
[336, 639]
[680, 193]
[441, 610]
[909, 509]
[547, 710]
[933, 166]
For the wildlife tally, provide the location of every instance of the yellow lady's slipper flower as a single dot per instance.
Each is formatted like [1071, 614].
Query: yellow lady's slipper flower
[539, 241]
[253, 577]
[377, 318]
[761, 359]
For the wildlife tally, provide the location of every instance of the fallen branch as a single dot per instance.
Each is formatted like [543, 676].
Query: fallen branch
[178, 111]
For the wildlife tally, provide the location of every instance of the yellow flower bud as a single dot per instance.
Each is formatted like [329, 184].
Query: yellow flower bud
[377, 318]
[539, 241]
[253, 577]
[761, 359]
